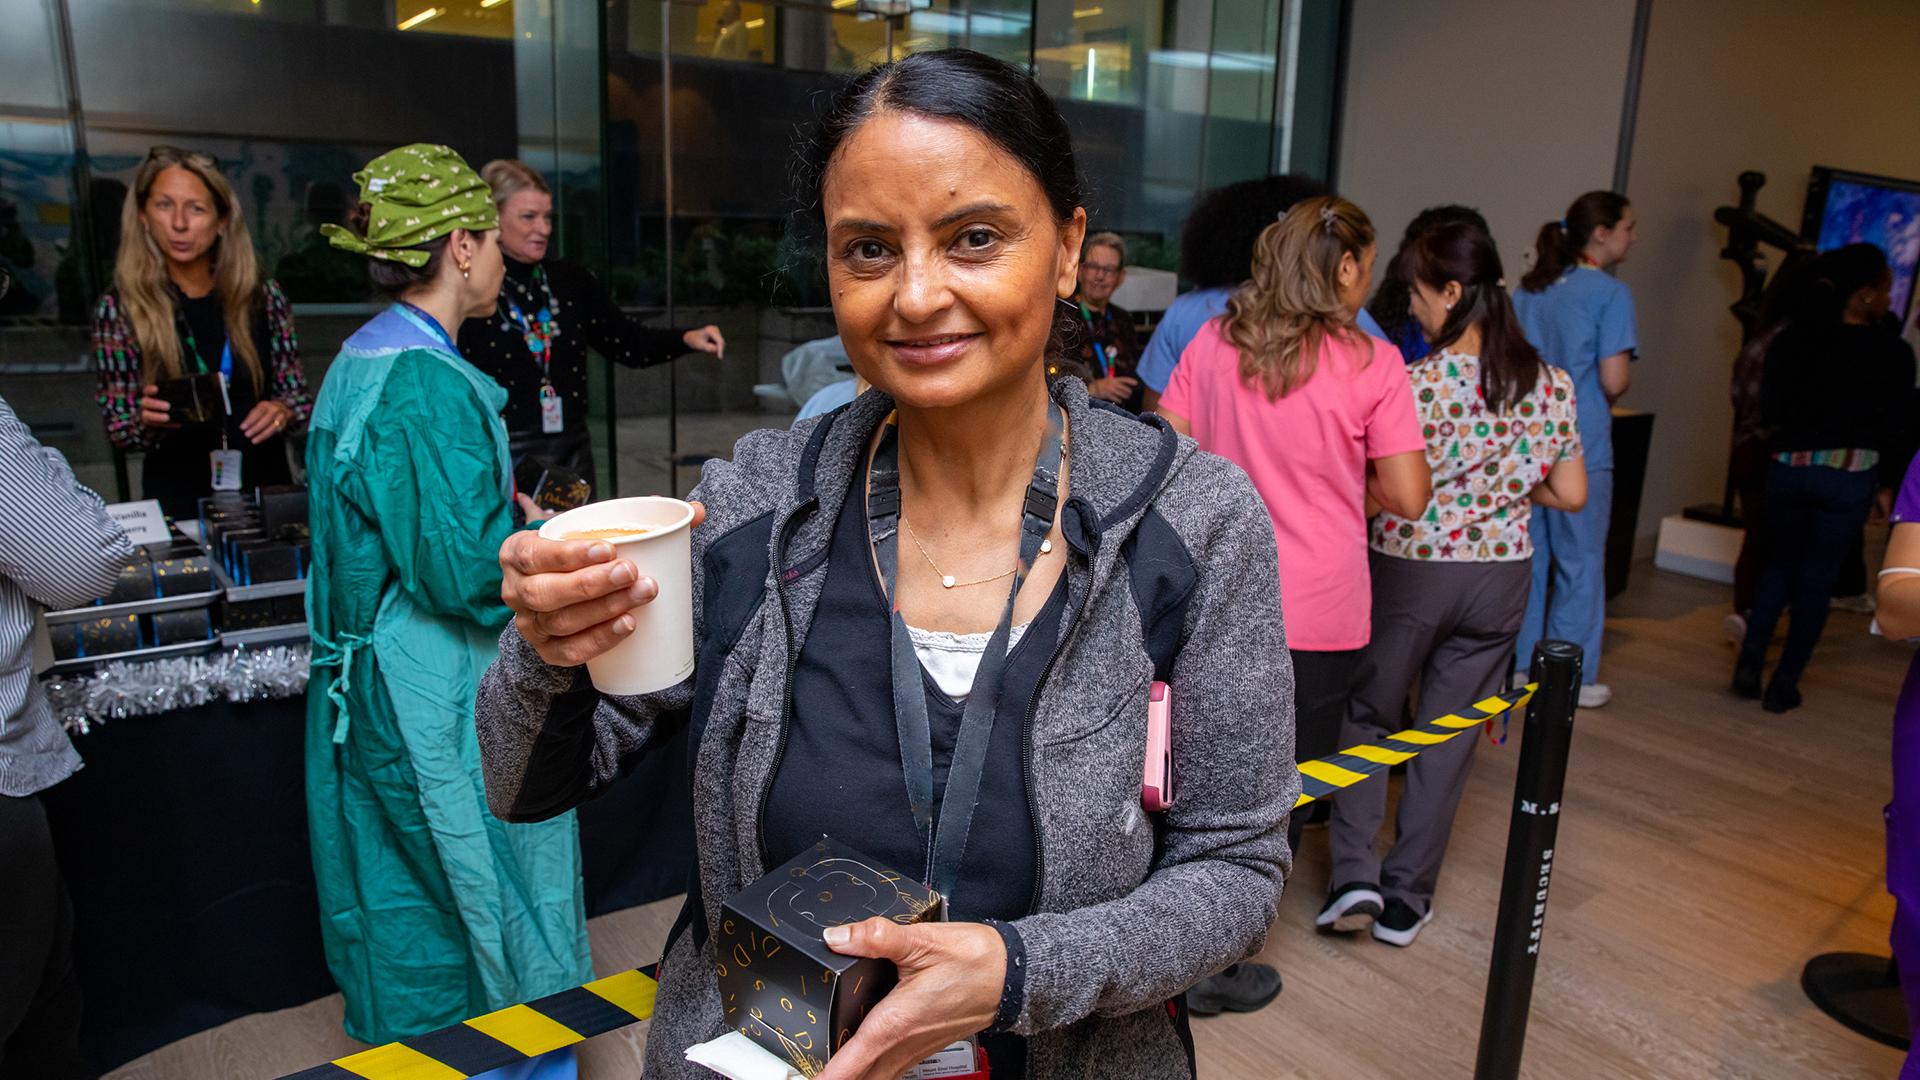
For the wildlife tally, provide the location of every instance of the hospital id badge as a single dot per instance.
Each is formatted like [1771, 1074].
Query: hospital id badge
[553, 419]
[226, 470]
[963, 1060]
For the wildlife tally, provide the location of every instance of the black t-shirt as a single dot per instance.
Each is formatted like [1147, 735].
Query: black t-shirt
[841, 773]
[584, 316]
[1840, 387]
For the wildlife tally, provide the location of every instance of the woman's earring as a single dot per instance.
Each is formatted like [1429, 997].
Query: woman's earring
[466, 270]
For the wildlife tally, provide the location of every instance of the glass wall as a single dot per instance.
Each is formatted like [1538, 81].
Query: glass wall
[664, 127]
[290, 97]
[1165, 99]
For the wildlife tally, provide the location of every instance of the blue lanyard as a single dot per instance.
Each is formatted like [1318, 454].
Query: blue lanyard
[429, 324]
[1099, 350]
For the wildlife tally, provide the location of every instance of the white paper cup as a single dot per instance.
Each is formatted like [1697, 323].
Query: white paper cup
[659, 652]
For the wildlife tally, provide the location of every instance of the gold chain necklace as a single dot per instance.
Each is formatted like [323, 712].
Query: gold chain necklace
[946, 580]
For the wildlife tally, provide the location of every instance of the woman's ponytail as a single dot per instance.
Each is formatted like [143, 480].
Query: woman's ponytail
[1559, 244]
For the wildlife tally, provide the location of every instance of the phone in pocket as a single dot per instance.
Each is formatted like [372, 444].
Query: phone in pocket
[1156, 784]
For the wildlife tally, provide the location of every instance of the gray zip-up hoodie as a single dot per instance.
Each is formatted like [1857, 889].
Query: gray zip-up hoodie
[1173, 561]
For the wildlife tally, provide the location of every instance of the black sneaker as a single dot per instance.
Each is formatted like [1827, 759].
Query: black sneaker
[1244, 987]
[1780, 698]
[1398, 925]
[1350, 907]
[1746, 677]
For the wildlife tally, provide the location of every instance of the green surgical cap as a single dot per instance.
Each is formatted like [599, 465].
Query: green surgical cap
[418, 194]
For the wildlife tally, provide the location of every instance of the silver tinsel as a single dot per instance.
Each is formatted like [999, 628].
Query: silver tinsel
[127, 688]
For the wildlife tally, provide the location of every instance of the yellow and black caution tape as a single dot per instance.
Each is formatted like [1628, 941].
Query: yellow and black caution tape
[1322, 777]
[512, 1035]
[521, 1032]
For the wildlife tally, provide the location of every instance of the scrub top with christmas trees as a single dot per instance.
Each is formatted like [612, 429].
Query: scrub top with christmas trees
[1484, 463]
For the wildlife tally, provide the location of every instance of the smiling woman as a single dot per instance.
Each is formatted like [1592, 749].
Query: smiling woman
[993, 669]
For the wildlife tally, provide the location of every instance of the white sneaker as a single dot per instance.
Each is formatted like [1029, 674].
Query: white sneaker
[1736, 625]
[1594, 695]
[1398, 925]
[1859, 605]
[1350, 908]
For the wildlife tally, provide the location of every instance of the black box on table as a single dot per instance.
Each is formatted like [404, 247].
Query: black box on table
[249, 615]
[181, 575]
[179, 627]
[282, 505]
[107, 635]
[779, 983]
[135, 581]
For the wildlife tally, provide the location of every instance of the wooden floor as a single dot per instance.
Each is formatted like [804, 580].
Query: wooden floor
[1706, 850]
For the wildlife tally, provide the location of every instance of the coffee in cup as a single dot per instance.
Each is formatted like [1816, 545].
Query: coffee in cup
[655, 535]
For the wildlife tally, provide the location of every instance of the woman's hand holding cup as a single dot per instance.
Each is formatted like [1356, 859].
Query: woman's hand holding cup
[572, 599]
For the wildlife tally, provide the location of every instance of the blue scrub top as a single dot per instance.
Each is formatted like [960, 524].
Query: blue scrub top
[1182, 322]
[1576, 322]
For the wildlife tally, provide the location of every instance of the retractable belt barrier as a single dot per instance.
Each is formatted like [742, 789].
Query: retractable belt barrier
[519, 1033]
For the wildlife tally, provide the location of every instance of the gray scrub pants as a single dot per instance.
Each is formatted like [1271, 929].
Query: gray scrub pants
[1451, 627]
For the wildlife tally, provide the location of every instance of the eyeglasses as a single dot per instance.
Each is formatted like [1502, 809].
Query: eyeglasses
[1108, 270]
[164, 152]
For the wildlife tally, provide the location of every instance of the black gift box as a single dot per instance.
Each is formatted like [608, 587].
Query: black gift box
[135, 581]
[779, 983]
[270, 561]
[282, 505]
[182, 574]
[554, 487]
[248, 615]
[193, 399]
[177, 627]
[289, 609]
[112, 634]
[228, 547]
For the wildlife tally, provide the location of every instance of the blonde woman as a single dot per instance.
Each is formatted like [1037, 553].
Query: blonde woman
[188, 299]
[551, 312]
[1321, 416]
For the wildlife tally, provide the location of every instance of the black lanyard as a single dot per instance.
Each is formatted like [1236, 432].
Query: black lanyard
[948, 845]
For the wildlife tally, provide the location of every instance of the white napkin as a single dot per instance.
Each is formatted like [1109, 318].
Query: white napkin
[737, 1057]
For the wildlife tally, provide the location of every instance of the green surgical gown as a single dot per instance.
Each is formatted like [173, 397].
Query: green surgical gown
[432, 909]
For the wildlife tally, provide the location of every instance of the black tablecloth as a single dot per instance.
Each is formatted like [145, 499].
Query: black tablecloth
[184, 844]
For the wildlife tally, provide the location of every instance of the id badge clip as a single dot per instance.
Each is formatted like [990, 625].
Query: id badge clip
[553, 418]
[963, 1060]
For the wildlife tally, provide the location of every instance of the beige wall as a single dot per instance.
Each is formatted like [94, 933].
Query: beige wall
[1511, 106]
[1730, 85]
[1514, 107]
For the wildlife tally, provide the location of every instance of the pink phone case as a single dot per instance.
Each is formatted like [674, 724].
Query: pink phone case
[1156, 786]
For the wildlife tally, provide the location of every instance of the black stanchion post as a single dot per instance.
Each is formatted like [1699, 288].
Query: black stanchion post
[1546, 737]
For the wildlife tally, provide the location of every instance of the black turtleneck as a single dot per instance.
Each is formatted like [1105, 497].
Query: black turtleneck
[584, 315]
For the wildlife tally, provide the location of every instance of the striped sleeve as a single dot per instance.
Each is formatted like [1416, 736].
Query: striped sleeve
[289, 378]
[57, 542]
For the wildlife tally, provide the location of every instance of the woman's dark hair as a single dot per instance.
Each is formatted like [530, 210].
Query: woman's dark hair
[1831, 281]
[392, 280]
[977, 91]
[1389, 304]
[1560, 243]
[1462, 251]
[1216, 244]
[983, 93]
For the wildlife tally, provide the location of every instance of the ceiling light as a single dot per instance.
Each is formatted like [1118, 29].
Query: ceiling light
[491, 3]
[755, 24]
[1088, 13]
[416, 20]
